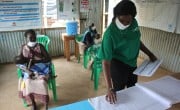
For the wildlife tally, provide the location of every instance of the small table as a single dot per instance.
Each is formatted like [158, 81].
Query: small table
[67, 39]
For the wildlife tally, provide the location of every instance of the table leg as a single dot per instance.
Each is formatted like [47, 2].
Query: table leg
[65, 48]
[67, 51]
[76, 50]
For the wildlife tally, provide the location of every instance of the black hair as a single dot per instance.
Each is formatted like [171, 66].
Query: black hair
[30, 31]
[124, 7]
[91, 26]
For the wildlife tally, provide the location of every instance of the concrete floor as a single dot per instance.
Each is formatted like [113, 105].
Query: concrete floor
[73, 84]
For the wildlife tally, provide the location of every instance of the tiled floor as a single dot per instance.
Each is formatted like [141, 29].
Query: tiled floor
[73, 84]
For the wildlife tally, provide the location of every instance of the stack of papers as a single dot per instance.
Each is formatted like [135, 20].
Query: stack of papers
[147, 68]
[154, 95]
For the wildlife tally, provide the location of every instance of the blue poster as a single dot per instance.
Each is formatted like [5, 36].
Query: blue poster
[20, 14]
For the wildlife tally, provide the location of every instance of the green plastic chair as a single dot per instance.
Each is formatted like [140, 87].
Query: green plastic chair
[91, 53]
[44, 40]
[96, 71]
[87, 57]
[79, 37]
[97, 65]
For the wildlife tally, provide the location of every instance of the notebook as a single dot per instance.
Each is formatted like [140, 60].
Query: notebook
[147, 68]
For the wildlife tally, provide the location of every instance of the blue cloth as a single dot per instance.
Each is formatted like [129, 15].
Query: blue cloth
[82, 105]
[40, 68]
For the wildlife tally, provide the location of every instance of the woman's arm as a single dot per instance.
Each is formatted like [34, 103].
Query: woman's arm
[111, 95]
[148, 52]
[45, 56]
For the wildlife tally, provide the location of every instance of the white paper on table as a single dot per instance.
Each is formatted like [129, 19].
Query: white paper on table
[141, 97]
[129, 99]
[147, 68]
[166, 87]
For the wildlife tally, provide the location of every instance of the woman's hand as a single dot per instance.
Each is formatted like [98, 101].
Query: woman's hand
[111, 96]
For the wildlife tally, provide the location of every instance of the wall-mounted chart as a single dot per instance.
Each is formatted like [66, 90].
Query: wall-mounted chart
[20, 14]
[68, 9]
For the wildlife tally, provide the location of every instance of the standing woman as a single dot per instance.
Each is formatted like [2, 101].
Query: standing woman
[34, 86]
[120, 48]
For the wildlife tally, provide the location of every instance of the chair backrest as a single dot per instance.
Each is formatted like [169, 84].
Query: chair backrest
[79, 37]
[44, 40]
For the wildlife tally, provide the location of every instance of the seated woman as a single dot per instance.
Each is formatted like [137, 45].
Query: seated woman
[34, 60]
[91, 38]
[90, 35]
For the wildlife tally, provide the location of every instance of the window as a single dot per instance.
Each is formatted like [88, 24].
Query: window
[105, 14]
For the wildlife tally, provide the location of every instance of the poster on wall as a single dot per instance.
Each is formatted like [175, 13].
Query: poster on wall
[20, 14]
[161, 16]
[84, 5]
[67, 9]
[50, 9]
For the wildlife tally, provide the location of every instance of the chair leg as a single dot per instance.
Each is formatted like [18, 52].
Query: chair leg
[54, 90]
[86, 58]
[96, 77]
[50, 85]
[25, 103]
[92, 74]
[53, 84]
[79, 58]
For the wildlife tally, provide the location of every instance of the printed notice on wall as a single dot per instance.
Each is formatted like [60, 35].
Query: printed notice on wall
[50, 9]
[161, 15]
[84, 5]
[67, 9]
[20, 14]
